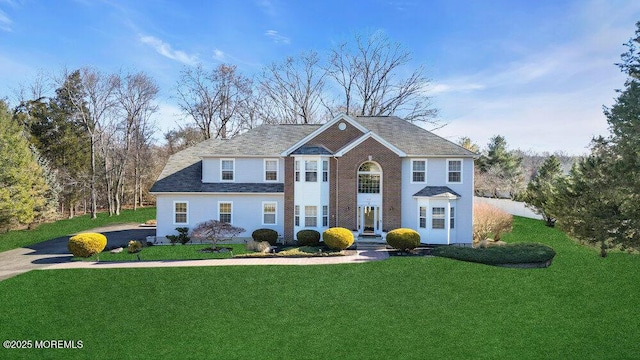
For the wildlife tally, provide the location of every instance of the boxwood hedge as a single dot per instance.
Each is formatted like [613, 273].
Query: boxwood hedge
[517, 253]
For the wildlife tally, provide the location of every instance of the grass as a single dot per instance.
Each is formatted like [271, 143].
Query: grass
[168, 252]
[518, 253]
[581, 307]
[22, 238]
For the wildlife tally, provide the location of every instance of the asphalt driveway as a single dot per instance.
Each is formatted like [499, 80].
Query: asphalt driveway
[47, 253]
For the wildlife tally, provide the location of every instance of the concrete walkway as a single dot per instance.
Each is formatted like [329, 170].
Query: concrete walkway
[54, 255]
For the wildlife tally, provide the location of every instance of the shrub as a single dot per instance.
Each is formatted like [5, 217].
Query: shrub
[268, 235]
[215, 231]
[134, 246]
[490, 221]
[308, 238]
[87, 244]
[403, 239]
[338, 238]
[182, 236]
[258, 246]
[518, 253]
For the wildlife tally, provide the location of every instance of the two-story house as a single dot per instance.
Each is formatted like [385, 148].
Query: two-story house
[367, 174]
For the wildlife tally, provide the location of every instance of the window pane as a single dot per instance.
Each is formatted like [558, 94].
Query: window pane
[423, 211]
[181, 207]
[418, 166]
[225, 218]
[311, 216]
[181, 218]
[368, 184]
[437, 218]
[423, 223]
[418, 176]
[270, 218]
[454, 165]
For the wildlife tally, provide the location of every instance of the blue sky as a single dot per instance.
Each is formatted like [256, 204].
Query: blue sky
[536, 72]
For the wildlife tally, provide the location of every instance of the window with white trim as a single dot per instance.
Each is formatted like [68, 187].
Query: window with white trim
[310, 216]
[452, 218]
[325, 170]
[269, 212]
[369, 176]
[271, 170]
[296, 216]
[180, 212]
[225, 212]
[325, 215]
[418, 171]
[437, 218]
[423, 217]
[297, 170]
[227, 169]
[454, 171]
[311, 171]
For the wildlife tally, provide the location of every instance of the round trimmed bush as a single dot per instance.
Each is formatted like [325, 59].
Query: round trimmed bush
[308, 238]
[403, 239]
[268, 235]
[87, 244]
[338, 238]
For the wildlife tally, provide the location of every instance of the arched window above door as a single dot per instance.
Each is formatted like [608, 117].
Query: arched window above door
[369, 177]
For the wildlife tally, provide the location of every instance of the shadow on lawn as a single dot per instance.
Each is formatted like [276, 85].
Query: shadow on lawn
[57, 247]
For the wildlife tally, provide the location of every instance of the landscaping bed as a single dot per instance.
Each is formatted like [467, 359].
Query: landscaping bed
[523, 255]
[296, 252]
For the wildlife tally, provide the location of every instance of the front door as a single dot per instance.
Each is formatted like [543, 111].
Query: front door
[369, 219]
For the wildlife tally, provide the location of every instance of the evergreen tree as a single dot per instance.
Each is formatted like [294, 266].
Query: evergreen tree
[599, 202]
[22, 184]
[542, 188]
[499, 170]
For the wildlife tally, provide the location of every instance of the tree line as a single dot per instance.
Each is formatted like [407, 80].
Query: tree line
[598, 201]
[89, 142]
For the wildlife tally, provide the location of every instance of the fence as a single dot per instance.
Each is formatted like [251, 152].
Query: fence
[510, 206]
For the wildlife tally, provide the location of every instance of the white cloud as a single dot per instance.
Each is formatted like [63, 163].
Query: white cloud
[165, 50]
[277, 38]
[5, 22]
[219, 55]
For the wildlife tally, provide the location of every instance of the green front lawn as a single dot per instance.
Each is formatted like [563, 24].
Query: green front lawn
[22, 238]
[581, 307]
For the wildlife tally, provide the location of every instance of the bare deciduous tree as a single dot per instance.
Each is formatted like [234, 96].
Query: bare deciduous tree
[293, 90]
[214, 100]
[368, 72]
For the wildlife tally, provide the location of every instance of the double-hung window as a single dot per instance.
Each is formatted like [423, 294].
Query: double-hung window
[297, 176]
[423, 217]
[269, 213]
[271, 170]
[325, 215]
[454, 171]
[311, 171]
[296, 216]
[418, 171]
[452, 218]
[325, 170]
[310, 216]
[225, 211]
[437, 218]
[180, 212]
[227, 168]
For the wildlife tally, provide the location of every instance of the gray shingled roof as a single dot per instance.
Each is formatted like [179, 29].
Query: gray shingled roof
[429, 191]
[411, 139]
[183, 171]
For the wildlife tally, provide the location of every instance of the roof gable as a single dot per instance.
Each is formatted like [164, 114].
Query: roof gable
[369, 135]
[309, 139]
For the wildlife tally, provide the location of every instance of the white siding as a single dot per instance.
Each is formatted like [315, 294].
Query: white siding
[437, 176]
[247, 211]
[310, 193]
[247, 170]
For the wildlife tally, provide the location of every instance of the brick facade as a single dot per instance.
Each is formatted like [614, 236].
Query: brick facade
[343, 180]
[346, 187]
[335, 139]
